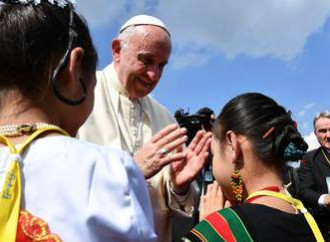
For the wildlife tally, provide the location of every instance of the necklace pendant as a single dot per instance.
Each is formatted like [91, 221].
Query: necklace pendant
[26, 128]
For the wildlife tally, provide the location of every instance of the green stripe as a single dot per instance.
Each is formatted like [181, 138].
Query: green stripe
[208, 232]
[236, 225]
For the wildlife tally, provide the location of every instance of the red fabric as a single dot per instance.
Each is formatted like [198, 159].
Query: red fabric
[221, 226]
[31, 229]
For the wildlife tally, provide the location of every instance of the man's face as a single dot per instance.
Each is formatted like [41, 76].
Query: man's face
[322, 132]
[140, 65]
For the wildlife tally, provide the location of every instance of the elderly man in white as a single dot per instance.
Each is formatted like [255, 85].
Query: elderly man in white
[125, 117]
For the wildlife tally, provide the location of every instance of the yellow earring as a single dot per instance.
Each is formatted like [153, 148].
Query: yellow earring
[237, 184]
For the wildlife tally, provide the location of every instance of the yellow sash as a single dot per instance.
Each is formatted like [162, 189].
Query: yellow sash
[298, 205]
[10, 196]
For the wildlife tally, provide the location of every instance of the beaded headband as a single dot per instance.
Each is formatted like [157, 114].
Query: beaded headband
[59, 3]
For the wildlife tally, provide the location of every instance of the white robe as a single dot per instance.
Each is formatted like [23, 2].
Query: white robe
[106, 126]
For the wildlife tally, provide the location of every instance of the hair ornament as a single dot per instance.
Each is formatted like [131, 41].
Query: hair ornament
[292, 152]
[295, 124]
[270, 130]
[59, 3]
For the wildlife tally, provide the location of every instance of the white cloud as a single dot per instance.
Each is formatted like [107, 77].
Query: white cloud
[277, 28]
[309, 105]
[302, 113]
[312, 142]
[305, 125]
[103, 13]
[100, 12]
[202, 29]
[188, 57]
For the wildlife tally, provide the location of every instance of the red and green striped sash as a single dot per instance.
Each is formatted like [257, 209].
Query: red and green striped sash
[224, 225]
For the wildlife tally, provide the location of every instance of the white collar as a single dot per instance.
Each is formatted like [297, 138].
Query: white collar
[112, 78]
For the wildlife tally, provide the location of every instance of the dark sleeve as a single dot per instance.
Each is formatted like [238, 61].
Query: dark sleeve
[307, 186]
[191, 237]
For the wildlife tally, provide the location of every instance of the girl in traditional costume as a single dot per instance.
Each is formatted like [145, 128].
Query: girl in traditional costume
[53, 186]
[253, 138]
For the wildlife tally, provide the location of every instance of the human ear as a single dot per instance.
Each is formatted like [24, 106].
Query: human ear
[75, 64]
[233, 145]
[116, 48]
[76, 67]
[71, 76]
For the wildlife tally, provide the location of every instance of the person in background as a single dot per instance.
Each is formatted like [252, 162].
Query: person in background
[206, 174]
[252, 140]
[55, 187]
[203, 119]
[314, 172]
[210, 117]
[125, 117]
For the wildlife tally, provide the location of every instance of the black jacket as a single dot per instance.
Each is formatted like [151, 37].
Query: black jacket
[313, 170]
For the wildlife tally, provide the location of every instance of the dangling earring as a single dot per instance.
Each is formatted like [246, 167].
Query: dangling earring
[237, 184]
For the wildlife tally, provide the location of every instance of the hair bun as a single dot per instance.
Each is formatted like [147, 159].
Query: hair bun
[294, 153]
[289, 144]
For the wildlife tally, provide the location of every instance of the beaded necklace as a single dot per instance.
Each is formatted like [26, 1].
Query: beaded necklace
[15, 130]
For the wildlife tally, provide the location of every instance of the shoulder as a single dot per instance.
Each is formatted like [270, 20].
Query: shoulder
[101, 73]
[74, 151]
[103, 86]
[223, 225]
[310, 156]
[105, 168]
[312, 153]
[155, 104]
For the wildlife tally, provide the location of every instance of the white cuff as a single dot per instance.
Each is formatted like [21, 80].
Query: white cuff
[321, 200]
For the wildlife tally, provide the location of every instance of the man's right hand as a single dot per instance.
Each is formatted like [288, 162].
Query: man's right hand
[156, 154]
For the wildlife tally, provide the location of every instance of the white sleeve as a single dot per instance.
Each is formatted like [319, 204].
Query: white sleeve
[119, 206]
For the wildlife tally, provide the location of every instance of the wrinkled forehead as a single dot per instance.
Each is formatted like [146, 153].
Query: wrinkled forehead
[150, 41]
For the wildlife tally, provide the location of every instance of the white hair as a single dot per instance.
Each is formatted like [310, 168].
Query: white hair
[126, 35]
[325, 114]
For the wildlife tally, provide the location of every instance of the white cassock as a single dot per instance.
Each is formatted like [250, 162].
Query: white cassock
[125, 124]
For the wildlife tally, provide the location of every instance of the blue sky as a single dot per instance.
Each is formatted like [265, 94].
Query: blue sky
[222, 48]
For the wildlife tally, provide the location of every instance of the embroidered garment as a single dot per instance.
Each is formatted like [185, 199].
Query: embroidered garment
[79, 191]
[30, 229]
[252, 222]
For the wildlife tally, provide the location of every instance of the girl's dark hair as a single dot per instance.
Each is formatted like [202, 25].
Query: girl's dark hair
[33, 39]
[267, 125]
